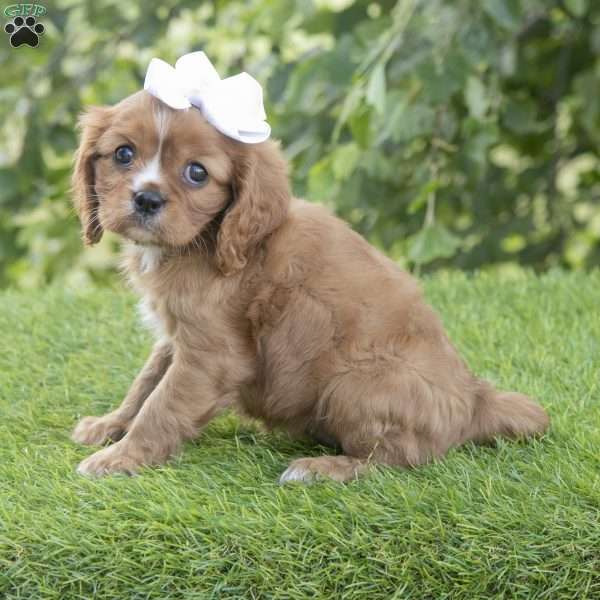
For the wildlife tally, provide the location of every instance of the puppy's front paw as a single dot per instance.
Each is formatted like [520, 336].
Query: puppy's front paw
[94, 431]
[114, 459]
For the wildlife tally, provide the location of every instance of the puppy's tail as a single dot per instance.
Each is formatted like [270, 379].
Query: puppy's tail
[507, 414]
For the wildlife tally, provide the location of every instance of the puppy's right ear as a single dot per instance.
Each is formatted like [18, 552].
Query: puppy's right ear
[93, 123]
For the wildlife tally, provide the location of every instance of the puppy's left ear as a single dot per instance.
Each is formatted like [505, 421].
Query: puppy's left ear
[93, 123]
[261, 196]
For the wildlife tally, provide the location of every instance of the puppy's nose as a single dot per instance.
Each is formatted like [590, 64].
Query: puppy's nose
[148, 202]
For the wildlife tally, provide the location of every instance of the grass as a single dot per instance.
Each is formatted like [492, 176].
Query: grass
[512, 521]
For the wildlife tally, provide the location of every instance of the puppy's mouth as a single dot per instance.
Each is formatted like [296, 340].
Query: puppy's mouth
[138, 232]
[148, 222]
[134, 227]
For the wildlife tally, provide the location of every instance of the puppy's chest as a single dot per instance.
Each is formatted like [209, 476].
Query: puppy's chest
[157, 318]
[184, 317]
[179, 318]
[183, 301]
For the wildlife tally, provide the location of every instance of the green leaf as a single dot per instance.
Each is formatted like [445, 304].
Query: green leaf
[479, 137]
[504, 12]
[432, 242]
[360, 126]
[376, 89]
[421, 198]
[9, 185]
[344, 160]
[519, 116]
[441, 81]
[476, 98]
[322, 184]
[577, 7]
[351, 102]
[408, 122]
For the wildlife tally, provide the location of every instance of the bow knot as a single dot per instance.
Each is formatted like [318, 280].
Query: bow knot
[233, 105]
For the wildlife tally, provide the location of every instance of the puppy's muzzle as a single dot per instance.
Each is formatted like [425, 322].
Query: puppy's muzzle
[148, 203]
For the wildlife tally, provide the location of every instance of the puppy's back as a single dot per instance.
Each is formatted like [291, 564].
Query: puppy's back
[368, 293]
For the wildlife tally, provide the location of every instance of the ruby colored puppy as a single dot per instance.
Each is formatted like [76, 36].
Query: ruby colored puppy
[267, 304]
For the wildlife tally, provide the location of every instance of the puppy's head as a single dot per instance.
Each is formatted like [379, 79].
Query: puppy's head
[161, 176]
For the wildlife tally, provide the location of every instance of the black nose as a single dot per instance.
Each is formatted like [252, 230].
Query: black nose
[148, 202]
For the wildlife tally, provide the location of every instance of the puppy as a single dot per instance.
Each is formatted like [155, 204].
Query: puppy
[267, 304]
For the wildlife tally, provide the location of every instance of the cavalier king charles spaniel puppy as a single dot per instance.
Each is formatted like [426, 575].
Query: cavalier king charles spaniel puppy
[264, 303]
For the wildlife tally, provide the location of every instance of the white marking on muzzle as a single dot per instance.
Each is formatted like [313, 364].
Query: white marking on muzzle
[149, 174]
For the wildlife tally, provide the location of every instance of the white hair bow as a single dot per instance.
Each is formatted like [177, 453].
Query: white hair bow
[233, 105]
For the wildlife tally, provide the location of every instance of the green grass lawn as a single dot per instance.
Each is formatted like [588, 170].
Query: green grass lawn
[516, 520]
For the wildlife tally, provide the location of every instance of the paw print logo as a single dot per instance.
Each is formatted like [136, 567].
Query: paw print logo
[24, 31]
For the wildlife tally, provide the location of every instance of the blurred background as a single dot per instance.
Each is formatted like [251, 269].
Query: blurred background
[452, 134]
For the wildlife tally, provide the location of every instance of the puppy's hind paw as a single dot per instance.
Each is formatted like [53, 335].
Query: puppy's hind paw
[338, 468]
[95, 431]
[296, 473]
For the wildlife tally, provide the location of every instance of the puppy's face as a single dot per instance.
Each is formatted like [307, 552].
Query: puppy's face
[159, 176]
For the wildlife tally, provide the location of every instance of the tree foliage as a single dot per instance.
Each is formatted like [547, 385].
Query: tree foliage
[461, 133]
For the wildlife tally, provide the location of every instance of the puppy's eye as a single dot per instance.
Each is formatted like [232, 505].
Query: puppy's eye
[195, 174]
[124, 155]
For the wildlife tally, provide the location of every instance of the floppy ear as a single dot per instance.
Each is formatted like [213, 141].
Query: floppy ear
[261, 195]
[93, 123]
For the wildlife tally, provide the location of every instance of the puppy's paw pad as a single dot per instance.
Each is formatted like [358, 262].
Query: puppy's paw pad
[95, 431]
[24, 31]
